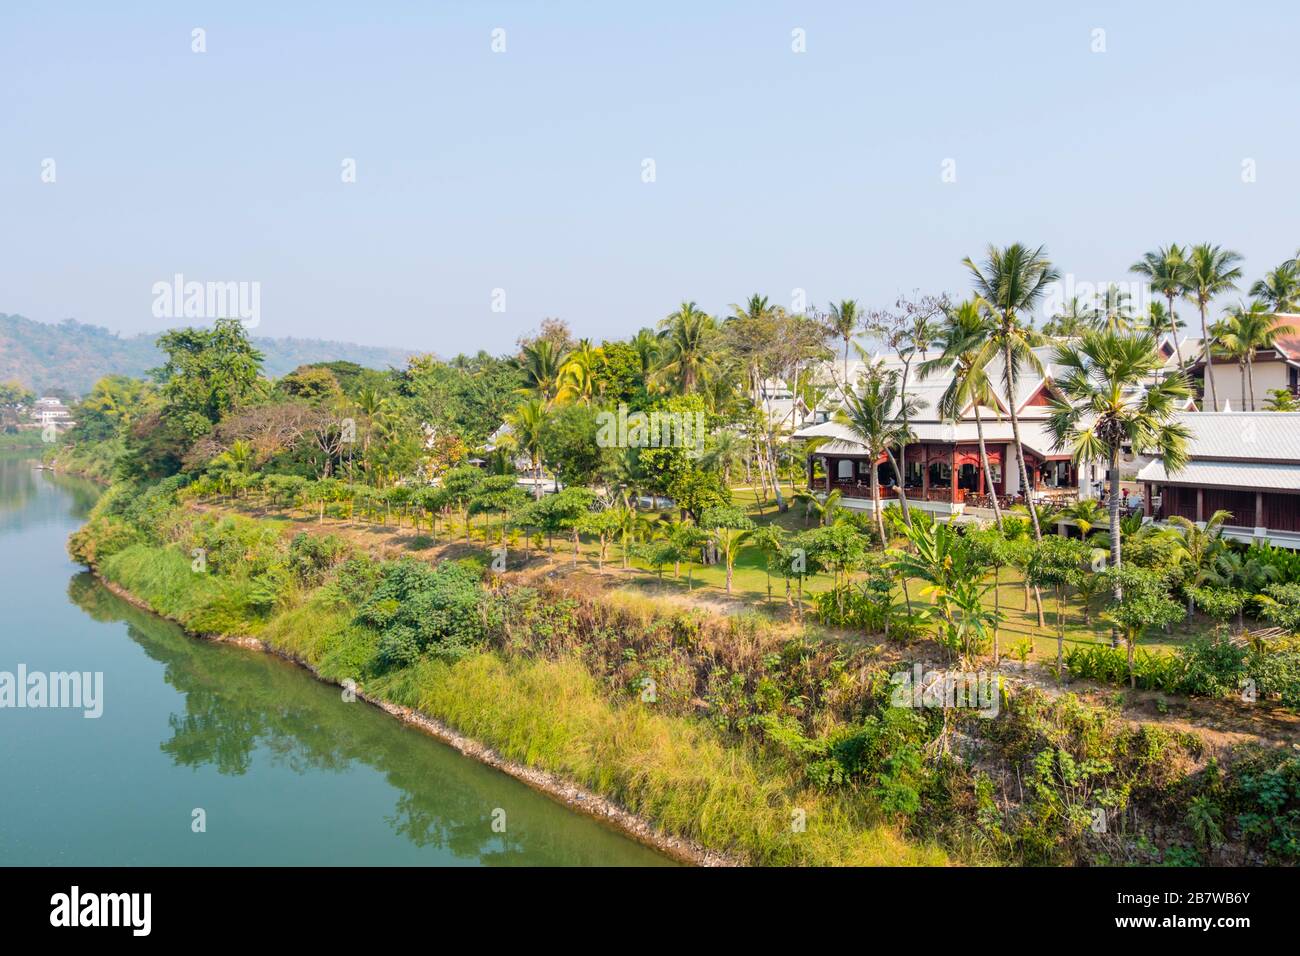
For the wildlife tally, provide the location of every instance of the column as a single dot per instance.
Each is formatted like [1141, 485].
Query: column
[1200, 504]
[952, 475]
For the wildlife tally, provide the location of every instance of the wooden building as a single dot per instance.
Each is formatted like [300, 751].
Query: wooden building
[1245, 463]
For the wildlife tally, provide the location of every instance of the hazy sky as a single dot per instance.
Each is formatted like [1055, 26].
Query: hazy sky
[523, 170]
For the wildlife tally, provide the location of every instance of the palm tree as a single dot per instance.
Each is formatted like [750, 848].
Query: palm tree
[1073, 320]
[727, 451]
[842, 322]
[647, 347]
[526, 425]
[1104, 406]
[960, 340]
[870, 414]
[1086, 515]
[1170, 276]
[1115, 310]
[1245, 331]
[1008, 285]
[577, 376]
[541, 363]
[1211, 271]
[1280, 289]
[687, 340]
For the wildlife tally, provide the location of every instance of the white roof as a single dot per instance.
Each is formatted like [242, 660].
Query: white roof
[1237, 450]
[1250, 475]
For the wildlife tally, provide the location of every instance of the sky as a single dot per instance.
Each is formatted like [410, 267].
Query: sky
[495, 187]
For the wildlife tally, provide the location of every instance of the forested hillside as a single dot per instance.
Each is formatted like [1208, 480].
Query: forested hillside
[72, 355]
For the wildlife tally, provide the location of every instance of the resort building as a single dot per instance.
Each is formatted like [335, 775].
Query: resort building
[1245, 463]
[1271, 369]
[941, 468]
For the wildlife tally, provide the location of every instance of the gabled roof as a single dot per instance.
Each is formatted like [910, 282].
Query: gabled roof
[1247, 450]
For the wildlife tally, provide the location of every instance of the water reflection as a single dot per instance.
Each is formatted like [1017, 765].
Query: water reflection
[242, 708]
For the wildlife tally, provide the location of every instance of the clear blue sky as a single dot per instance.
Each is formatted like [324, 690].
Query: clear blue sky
[523, 170]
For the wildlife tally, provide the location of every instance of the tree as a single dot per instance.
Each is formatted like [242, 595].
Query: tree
[729, 526]
[602, 524]
[770, 540]
[1141, 601]
[1279, 290]
[1245, 331]
[842, 323]
[1074, 318]
[459, 486]
[1281, 400]
[527, 426]
[1104, 406]
[567, 443]
[541, 362]
[1211, 272]
[1057, 563]
[961, 340]
[989, 549]
[577, 378]
[1008, 285]
[207, 373]
[686, 340]
[871, 414]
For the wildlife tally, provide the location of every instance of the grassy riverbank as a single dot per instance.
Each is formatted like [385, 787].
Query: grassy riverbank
[674, 772]
[769, 745]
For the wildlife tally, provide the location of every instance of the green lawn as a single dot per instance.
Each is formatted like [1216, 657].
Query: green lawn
[750, 586]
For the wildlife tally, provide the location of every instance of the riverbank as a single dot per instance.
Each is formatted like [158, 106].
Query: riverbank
[562, 791]
[548, 695]
[729, 734]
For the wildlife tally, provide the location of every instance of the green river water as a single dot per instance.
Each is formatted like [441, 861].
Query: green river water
[284, 770]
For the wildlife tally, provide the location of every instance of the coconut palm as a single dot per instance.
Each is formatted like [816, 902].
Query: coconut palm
[526, 425]
[1245, 331]
[1073, 320]
[1115, 310]
[1008, 285]
[541, 363]
[966, 330]
[1279, 289]
[1211, 271]
[1170, 276]
[842, 322]
[577, 376]
[873, 414]
[1104, 406]
[687, 341]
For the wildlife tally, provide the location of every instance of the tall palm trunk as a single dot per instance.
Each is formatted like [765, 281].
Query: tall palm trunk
[1209, 358]
[902, 494]
[875, 502]
[1241, 373]
[1173, 328]
[1009, 375]
[988, 473]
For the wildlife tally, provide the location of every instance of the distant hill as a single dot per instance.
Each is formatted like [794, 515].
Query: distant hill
[72, 355]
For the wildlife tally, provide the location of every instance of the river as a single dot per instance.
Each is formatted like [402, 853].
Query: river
[277, 767]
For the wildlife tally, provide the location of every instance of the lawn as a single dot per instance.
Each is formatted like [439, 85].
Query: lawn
[750, 583]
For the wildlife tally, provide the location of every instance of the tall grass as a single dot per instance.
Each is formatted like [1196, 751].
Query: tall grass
[674, 771]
